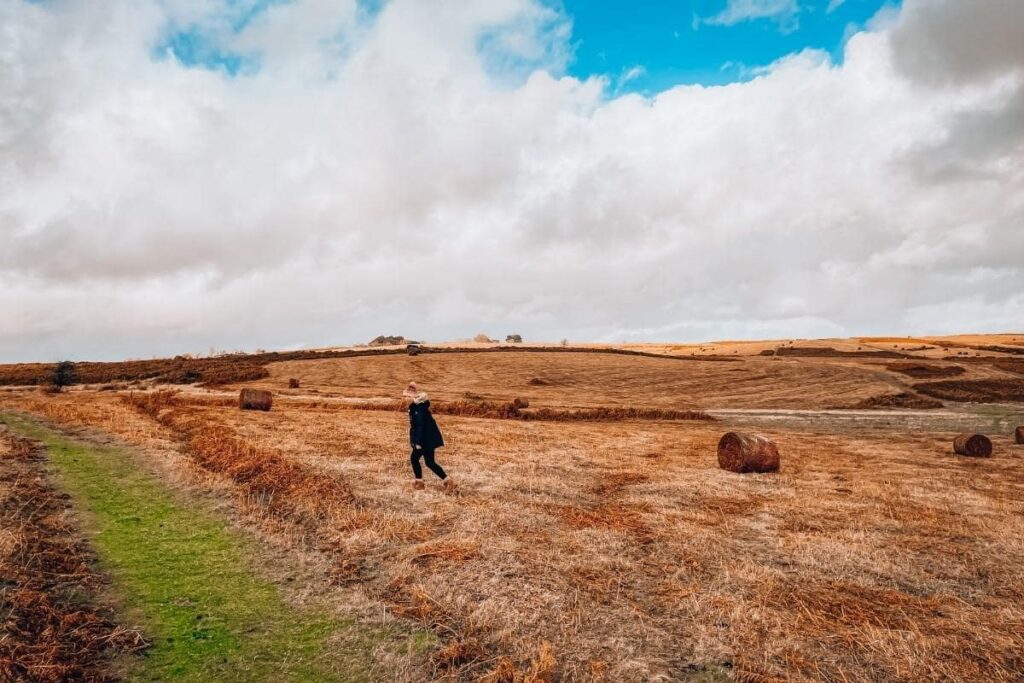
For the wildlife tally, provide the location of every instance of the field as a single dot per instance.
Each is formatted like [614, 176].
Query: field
[587, 545]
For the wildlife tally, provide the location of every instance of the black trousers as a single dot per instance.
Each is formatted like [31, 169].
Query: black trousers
[428, 457]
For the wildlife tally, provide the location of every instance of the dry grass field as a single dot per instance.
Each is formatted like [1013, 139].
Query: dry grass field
[617, 550]
[585, 379]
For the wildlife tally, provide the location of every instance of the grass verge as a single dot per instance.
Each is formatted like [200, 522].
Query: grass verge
[184, 576]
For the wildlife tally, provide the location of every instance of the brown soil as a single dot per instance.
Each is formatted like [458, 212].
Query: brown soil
[975, 391]
[828, 352]
[925, 371]
[1013, 365]
[904, 399]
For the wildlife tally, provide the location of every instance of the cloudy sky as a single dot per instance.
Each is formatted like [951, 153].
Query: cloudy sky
[177, 175]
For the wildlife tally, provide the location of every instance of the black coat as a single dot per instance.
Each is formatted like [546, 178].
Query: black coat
[423, 430]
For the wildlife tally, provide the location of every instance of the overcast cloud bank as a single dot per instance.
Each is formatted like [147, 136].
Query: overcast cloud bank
[427, 170]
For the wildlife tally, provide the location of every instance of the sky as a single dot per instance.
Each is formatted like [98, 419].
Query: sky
[181, 176]
[647, 47]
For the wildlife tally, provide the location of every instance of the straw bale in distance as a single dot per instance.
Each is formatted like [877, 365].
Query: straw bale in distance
[1019, 434]
[741, 452]
[293, 383]
[255, 399]
[973, 445]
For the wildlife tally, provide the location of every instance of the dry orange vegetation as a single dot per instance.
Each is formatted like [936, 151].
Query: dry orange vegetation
[588, 380]
[617, 550]
[920, 347]
[51, 630]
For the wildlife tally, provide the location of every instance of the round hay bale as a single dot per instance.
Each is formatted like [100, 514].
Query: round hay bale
[255, 399]
[1019, 434]
[520, 403]
[740, 452]
[293, 383]
[973, 445]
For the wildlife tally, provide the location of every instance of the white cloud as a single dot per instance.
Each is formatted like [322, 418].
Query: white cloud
[428, 172]
[833, 5]
[786, 12]
[626, 76]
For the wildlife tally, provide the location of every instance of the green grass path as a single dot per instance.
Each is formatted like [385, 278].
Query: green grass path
[182, 574]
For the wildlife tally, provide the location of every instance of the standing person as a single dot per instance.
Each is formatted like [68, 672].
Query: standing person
[424, 437]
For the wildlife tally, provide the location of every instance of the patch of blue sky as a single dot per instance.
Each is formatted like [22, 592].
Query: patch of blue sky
[201, 45]
[642, 46]
[511, 52]
[648, 46]
[240, 13]
[194, 47]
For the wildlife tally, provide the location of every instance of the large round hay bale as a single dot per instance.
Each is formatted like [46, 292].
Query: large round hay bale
[255, 399]
[740, 452]
[973, 445]
[1019, 434]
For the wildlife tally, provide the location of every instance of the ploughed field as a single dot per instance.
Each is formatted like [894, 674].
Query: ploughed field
[616, 549]
[576, 379]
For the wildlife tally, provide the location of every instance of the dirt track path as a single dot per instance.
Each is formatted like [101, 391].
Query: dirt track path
[985, 418]
[55, 624]
[181, 573]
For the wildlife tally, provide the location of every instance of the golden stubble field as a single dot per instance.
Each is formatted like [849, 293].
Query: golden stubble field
[587, 379]
[618, 550]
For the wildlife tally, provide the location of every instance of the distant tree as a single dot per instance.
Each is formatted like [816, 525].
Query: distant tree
[514, 339]
[565, 342]
[387, 340]
[63, 375]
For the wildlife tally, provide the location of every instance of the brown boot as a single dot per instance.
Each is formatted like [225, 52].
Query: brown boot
[418, 484]
[449, 485]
